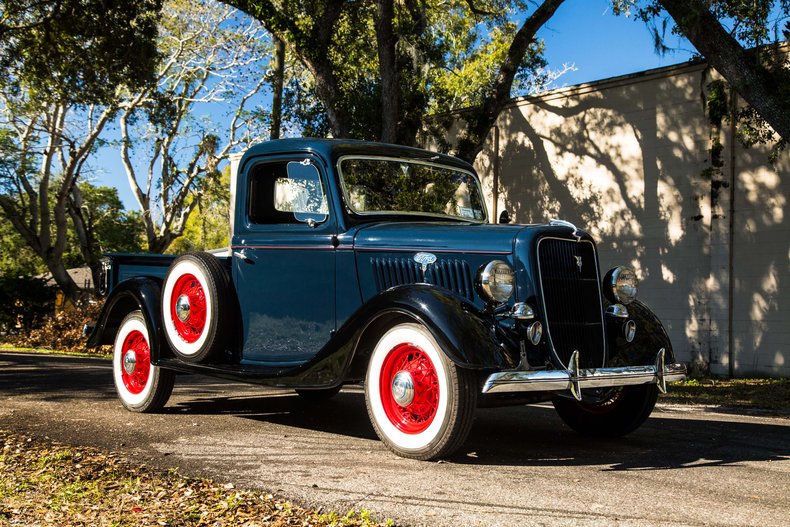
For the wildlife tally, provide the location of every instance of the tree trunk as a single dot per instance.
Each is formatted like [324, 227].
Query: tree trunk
[61, 276]
[86, 236]
[388, 70]
[277, 87]
[481, 120]
[741, 68]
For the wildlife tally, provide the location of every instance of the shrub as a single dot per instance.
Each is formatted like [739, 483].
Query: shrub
[26, 302]
[63, 332]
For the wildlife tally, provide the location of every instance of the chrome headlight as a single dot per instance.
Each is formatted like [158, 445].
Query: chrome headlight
[620, 285]
[496, 281]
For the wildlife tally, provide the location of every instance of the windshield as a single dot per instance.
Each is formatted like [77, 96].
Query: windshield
[387, 186]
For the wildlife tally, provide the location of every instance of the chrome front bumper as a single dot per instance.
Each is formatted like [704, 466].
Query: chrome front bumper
[575, 379]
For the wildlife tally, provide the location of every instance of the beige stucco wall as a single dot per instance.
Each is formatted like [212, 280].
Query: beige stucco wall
[630, 160]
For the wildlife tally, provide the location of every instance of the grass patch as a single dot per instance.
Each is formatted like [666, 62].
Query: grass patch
[44, 483]
[48, 351]
[772, 395]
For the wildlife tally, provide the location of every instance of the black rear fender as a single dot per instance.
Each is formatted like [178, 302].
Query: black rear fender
[139, 293]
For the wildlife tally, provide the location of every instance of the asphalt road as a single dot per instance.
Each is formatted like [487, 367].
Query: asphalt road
[520, 466]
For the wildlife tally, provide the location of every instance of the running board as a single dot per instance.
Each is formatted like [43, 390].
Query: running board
[575, 379]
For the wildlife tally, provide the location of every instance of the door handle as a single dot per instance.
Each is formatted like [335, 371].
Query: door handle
[243, 256]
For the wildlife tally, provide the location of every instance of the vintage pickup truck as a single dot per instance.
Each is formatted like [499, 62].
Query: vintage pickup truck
[363, 263]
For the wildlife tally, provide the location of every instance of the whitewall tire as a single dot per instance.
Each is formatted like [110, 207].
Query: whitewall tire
[420, 403]
[141, 386]
[194, 297]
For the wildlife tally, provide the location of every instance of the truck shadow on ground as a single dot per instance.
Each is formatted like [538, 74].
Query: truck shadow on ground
[533, 435]
[512, 436]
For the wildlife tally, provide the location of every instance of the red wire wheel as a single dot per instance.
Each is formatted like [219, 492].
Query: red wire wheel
[420, 403]
[140, 384]
[188, 288]
[135, 362]
[416, 416]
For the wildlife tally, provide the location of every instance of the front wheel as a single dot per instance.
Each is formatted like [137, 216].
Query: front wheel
[622, 412]
[141, 386]
[420, 403]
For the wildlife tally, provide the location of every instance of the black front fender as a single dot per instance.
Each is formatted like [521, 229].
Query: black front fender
[139, 293]
[650, 337]
[467, 336]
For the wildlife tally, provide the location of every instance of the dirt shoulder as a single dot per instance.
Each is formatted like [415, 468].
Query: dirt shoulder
[47, 483]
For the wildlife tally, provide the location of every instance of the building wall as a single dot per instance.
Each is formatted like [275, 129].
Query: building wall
[635, 161]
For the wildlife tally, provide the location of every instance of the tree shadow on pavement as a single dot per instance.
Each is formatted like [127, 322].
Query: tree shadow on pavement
[55, 377]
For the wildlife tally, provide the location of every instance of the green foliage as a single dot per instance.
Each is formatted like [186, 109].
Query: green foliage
[751, 24]
[448, 55]
[302, 108]
[16, 258]
[208, 227]
[8, 161]
[752, 128]
[77, 50]
[112, 228]
[718, 105]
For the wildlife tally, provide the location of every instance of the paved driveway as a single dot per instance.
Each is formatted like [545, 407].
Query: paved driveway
[520, 466]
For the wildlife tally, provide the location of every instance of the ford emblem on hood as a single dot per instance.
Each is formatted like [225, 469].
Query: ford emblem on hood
[425, 259]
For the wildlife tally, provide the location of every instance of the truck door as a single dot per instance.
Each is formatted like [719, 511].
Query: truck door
[284, 261]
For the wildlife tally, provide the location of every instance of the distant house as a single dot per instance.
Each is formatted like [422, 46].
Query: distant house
[81, 276]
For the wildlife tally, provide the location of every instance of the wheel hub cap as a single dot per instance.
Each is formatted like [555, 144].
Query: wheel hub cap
[409, 388]
[129, 362]
[182, 308]
[403, 388]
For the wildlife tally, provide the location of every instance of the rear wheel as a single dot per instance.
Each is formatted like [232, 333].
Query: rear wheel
[420, 403]
[620, 413]
[141, 386]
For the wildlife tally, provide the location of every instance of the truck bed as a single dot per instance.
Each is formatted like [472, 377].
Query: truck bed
[122, 266]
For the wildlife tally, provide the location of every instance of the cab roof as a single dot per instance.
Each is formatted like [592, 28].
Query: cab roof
[333, 149]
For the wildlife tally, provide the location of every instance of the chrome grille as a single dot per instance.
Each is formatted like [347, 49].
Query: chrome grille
[572, 300]
[454, 275]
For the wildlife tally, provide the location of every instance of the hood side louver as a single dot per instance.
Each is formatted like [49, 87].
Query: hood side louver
[454, 275]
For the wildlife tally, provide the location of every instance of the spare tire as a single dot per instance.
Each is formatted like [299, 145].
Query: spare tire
[196, 294]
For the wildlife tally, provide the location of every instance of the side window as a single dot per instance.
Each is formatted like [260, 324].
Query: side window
[286, 192]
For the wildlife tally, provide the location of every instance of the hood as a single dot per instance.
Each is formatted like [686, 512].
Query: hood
[438, 236]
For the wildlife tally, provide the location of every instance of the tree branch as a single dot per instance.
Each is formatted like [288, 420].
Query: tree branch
[741, 68]
[482, 119]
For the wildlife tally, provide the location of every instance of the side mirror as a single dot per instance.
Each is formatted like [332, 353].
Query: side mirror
[504, 217]
[302, 194]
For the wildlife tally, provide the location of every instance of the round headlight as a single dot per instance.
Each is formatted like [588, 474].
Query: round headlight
[496, 281]
[620, 285]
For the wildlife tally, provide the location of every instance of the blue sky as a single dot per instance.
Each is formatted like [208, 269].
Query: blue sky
[584, 33]
[600, 44]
